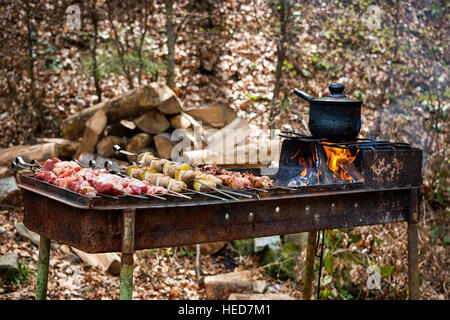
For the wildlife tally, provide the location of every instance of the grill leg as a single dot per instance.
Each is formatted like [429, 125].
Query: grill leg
[42, 271]
[308, 275]
[413, 262]
[413, 245]
[126, 269]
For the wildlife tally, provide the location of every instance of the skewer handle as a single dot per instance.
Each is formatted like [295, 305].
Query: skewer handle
[19, 160]
[117, 149]
[109, 165]
[92, 163]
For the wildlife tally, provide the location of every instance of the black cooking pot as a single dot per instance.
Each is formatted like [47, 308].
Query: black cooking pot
[333, 117]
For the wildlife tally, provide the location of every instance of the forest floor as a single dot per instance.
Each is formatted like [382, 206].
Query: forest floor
[243, 78]
[169, 274]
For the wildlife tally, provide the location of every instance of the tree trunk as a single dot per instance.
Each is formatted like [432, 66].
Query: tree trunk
[94, 18]
[170, 44]
[281, 53]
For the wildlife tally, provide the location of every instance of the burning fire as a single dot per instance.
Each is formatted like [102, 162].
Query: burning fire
[336, 158]
[339, 167]
[305, 166]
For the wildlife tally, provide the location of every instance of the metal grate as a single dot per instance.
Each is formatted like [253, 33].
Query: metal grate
[360, 143]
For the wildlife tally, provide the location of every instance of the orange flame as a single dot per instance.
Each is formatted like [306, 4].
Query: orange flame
[302, 162]
[337, 156]
[304, 172]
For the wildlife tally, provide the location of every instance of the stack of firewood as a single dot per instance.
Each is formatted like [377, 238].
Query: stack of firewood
[141, 119]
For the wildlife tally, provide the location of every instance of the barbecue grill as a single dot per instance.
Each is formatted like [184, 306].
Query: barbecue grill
[385, 190]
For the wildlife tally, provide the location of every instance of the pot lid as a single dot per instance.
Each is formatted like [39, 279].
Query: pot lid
[336, 95]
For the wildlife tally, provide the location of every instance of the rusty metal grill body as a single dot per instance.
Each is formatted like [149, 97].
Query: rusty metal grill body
[392, 179]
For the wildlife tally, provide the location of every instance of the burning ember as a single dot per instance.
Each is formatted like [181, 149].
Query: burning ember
[332, 165]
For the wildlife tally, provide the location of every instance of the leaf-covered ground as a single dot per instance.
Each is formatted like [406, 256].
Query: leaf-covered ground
[226, 54]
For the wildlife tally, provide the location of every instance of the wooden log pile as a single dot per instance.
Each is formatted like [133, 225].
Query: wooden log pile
[145, 118]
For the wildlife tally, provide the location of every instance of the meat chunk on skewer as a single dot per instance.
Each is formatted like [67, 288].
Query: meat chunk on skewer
[47, 176]
[69, 175]
[108, 184]
[236, 179]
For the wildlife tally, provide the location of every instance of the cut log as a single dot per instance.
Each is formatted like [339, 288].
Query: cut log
[172, 105]
[73, 126]
[164, 145]
[131, 103]
[138, 142]
[206, 249]
[215, 116]
[123, 128]
[27, 234]
[37, 152]
[9, 192]
[351, 170]
[64, 148]
[127, 105]
[220, 286]
[260, 296]
[9, 265]
[211, 115]
[105, 146]
[165, 98]
[228, 114]
[93, 130]
[180, 121]
[325, 174]
[128, 124]
[152, 122]
[5, 172]
[110, 261]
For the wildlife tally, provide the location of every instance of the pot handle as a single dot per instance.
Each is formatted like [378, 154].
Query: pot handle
[303, 95]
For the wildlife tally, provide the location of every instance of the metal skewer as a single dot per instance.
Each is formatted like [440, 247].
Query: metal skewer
[257, 189]
[108, 164]
[217, 190]
[93, 163]
[237, 191]
[205, 194]
[177, 194]
[117, 149]
[108, 196]
[286, 188]
[155, 196]
[81, 164]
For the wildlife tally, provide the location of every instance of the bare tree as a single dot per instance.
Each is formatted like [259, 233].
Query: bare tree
[283, 8]
[170, 44]
[144, 28]
[127, 44]
[172, 36]
[94, 18]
